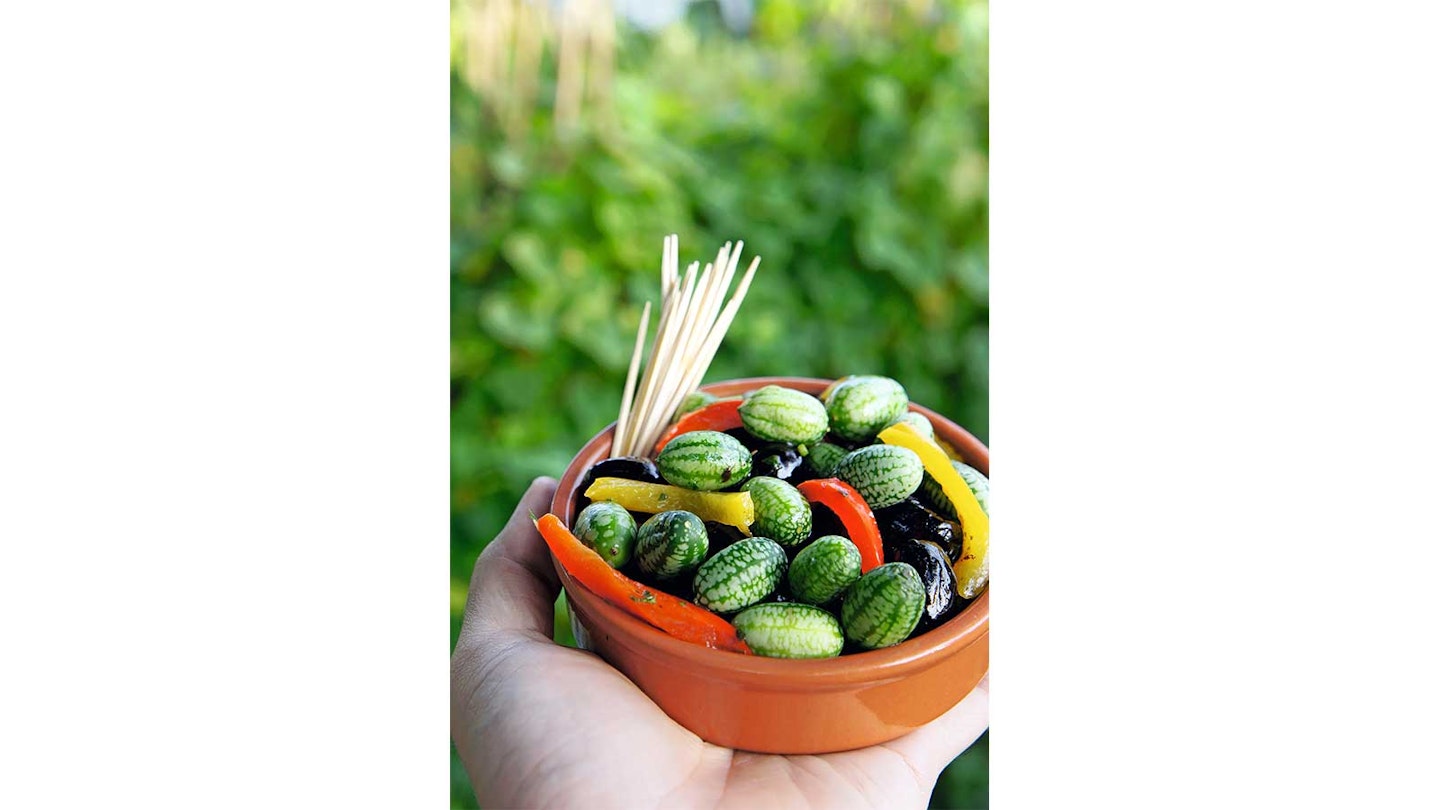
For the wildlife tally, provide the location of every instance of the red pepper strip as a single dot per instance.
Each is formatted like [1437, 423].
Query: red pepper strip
[675, 616]
[722, 416]
[850, 507]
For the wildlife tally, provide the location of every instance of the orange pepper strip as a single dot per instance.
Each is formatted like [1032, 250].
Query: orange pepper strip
[722, 416]
[850, 507]
[676, 617]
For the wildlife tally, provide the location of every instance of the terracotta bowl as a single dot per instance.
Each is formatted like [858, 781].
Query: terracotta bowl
[774, 705]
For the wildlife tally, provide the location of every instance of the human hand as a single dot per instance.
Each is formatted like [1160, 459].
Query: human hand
[541, 725]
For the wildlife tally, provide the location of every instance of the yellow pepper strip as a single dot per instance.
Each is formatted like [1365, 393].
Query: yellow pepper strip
[972, 570]
[733, 508]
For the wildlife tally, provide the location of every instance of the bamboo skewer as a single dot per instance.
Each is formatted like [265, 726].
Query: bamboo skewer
[664, 352]
[674, 391]
[667, 282]
[622, 425]
[688, 307]
[717, 333]
[694, 317]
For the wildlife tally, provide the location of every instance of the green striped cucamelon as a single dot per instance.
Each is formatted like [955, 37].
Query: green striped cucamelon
[693, 401]
[824, 569]
[781, 512]
[740, 575]
[671, 543]
[823, 456]
[704, 460]
[860, 407]
[784, 415]
[790, 630]
[978, 484]
[609, 529]
[883, 607]
[883, 474]
[920, 423]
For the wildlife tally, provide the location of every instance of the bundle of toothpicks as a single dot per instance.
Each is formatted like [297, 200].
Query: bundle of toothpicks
[692, 324]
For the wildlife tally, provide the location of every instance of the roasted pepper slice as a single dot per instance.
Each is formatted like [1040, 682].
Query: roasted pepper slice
[972, 570]
[674, 616]
[732, 508]
[850, 507]
[722, 416]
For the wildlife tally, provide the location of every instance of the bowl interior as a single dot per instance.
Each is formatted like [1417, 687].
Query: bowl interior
[948, 638]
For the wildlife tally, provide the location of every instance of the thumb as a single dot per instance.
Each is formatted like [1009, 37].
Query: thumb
[514, 586]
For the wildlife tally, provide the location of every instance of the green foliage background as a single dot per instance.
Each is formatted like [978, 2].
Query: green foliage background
[851, 154]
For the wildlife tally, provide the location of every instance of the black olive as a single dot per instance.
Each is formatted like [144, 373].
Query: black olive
[751, 442]
[776, 461]
[941, 597]
[842, 442]
[682, 587]
[823, 521]
[629, 468]
[912, 519]
[721, 535]
[804, 472]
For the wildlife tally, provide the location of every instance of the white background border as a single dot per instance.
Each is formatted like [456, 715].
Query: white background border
[224, 481]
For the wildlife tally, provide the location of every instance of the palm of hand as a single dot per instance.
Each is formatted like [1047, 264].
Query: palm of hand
[542, 725]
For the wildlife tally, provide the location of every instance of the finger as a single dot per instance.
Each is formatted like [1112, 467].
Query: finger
[934, 745]
[514, 586]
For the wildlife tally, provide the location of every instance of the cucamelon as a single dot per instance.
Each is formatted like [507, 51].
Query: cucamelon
[740, 575]
[671, 543]
[824, 569]
[882, 608]
[784, 415]
[695, 400]
[883, 474]
[790, 630]
[823, 456]
[781, 512]
[704, 460]
[609, 529]
[861, 406]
